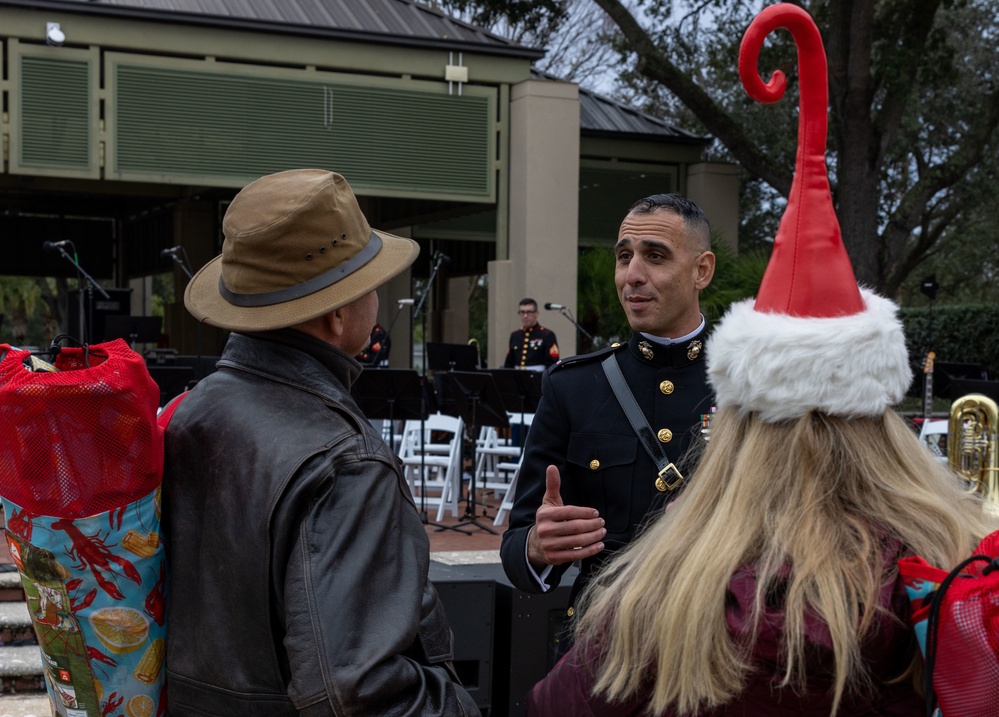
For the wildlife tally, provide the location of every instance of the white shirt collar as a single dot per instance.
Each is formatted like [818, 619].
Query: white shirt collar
[667, 341]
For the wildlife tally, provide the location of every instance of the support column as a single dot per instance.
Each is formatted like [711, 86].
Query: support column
[194, 228]
[714, 187]
[397, 319]
[543, 214]
[502, 319]
[456, 314]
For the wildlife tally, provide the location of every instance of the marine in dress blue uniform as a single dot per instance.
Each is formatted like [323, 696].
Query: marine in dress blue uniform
[587, 484]
[580, 428]
[532, 346]
[376, 353]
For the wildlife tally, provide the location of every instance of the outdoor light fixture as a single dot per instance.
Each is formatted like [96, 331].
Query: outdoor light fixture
[54, 34]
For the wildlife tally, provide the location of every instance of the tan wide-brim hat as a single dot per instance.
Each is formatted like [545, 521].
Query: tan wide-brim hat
[296, 246]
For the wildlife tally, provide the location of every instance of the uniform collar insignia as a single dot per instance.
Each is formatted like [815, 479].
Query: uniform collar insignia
[646, 349]
[693, 350]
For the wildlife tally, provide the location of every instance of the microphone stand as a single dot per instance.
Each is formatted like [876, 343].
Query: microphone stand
[189, 274]
[420, 310]
[565, 312]
[179, 262]
[86, 317]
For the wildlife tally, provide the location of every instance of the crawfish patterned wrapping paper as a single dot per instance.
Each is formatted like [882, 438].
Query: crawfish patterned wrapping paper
[96, 593]
[921, 581]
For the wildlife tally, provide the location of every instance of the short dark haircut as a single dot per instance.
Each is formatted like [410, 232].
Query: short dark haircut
[528, 300]
[678, 204]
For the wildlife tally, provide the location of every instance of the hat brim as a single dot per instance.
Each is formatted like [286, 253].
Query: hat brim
[782, 367]
[203, 300]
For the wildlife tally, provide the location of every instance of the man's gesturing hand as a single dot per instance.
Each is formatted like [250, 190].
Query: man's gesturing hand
[562, 533]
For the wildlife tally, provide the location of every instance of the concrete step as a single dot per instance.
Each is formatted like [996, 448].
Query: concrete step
[20, 661]
[10, 587]
[20, 673]
[20, 658]
[15, 623]
[22, 686]
[26, 705]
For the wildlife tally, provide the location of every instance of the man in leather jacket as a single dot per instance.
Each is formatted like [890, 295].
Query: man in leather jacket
[299, 563]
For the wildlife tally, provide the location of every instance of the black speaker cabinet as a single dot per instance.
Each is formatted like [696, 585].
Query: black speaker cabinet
[468, 595]
[504, 639]
[93, 309]
[527, 632]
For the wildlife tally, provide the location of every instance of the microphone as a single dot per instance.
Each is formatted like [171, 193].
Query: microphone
[555, 307]
[172, 251]
[51, 246]
[406, 302]
[444, 259]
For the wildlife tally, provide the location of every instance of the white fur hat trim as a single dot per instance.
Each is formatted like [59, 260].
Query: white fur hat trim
[782, 366]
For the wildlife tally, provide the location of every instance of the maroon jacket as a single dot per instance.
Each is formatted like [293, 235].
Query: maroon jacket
[566, 690]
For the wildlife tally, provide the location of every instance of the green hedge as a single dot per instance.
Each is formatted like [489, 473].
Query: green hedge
[956, 334]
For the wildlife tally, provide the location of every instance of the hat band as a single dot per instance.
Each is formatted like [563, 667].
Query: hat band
[327, 278]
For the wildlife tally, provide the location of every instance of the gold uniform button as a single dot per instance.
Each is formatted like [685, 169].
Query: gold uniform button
[594, 464]
[570, 612]
[661, 485]
[665, 435]
[666, 387]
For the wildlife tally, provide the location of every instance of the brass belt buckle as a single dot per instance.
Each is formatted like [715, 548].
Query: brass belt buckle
[661, 483]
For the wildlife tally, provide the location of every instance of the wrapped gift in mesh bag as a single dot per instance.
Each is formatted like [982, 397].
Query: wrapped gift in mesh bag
[81, 462]
[956, 618]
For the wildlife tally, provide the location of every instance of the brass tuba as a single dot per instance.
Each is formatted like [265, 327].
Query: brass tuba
[972, 445]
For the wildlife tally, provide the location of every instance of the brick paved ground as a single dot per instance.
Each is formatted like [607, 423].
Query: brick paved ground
[474, 537]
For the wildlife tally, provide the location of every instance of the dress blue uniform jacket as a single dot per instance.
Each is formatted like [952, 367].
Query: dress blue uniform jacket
[580, 428]
[533, 346]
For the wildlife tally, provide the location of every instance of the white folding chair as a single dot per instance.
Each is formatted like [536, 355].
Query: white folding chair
[433, 467]
[510, 489]
[506, 472]
[933, 435]
[490, 450]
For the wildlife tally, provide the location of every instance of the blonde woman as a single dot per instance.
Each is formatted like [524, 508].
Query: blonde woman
[770, 587]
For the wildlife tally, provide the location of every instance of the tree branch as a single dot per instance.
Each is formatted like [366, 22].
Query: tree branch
[655, 65]
[934, 179]
[929, 237]
[914, 30]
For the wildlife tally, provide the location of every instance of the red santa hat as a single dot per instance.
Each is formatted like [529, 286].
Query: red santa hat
[812, 340]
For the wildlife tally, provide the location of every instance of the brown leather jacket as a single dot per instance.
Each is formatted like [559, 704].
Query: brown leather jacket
[298, 561]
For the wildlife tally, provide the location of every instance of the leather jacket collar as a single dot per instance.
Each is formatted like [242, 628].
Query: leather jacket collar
[278, 355]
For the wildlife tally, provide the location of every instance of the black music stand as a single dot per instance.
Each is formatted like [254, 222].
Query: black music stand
[134, 329]
[394, 393]
[390, 394]
[452, 357]
[963, 386]
[172, 380]
[473, 396]
[520, 391]
[944, 373]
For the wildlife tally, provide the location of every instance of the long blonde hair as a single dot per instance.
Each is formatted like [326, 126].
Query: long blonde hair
[819, 495]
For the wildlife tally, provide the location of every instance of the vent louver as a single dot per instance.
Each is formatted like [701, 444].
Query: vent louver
[55, 114]
[181, 125]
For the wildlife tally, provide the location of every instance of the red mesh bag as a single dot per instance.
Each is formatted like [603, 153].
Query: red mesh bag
[962, 648]
[82, 440]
